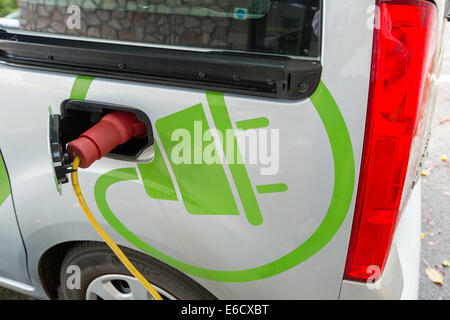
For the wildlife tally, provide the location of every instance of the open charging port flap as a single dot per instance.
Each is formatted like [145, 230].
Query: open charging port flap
[77, 116]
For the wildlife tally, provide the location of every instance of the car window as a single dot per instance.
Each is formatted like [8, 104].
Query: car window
[288, 27]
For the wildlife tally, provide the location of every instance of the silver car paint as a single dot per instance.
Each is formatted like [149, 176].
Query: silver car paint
[47, 218]
[13, 263]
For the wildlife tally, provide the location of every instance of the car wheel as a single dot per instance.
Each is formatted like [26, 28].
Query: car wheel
[92, 271]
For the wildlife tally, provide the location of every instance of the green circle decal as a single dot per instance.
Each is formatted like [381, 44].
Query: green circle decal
[344, 180]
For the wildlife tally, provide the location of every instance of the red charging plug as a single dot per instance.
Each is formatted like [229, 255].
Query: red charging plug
[114, 129]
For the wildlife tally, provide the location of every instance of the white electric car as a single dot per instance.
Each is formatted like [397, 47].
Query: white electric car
[283, 149]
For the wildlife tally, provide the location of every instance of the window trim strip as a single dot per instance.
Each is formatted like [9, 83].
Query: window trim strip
[243, 73]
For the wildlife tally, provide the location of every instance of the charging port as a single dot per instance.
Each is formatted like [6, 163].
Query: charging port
[78, 116]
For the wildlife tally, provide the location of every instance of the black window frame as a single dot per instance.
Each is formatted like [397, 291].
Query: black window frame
[254, 74]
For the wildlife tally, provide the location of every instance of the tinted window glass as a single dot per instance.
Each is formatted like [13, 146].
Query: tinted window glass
[289, 27]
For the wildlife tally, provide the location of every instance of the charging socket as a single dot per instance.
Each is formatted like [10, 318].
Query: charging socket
[77, 116]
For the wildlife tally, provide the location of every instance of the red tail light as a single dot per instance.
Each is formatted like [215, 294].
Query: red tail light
[402, 66]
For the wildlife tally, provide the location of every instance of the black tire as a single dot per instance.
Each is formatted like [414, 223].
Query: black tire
[97, 259]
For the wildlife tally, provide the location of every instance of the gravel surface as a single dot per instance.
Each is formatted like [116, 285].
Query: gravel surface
[6, 294]
[436, 192]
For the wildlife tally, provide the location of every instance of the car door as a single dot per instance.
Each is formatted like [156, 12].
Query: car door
[13, 265]
[255, 112]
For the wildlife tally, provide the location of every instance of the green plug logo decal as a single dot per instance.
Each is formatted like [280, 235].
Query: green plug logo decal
[205, 189]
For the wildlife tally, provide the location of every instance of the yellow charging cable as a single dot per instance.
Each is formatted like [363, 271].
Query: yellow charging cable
[114, 247]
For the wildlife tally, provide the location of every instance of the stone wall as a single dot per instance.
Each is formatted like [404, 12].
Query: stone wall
[114, 20]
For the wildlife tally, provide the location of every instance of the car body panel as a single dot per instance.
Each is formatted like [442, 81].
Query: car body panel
[222, 243]
[13, 265]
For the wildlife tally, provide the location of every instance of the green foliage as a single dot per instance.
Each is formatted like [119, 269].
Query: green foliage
[7, 6]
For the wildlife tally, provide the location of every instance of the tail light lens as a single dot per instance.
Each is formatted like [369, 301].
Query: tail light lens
[402, 66]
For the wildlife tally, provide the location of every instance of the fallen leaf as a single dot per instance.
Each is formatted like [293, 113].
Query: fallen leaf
[430, 243]
[430, 221]
[446, 263]
[427, 171]
[444, 157]
[422, 236]
[434, 275]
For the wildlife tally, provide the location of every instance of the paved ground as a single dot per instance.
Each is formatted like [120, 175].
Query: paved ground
[436, 193]
[436, 198]
[6, 294]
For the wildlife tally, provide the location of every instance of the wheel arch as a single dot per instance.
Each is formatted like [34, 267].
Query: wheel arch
[49, 266]
[51, 261]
